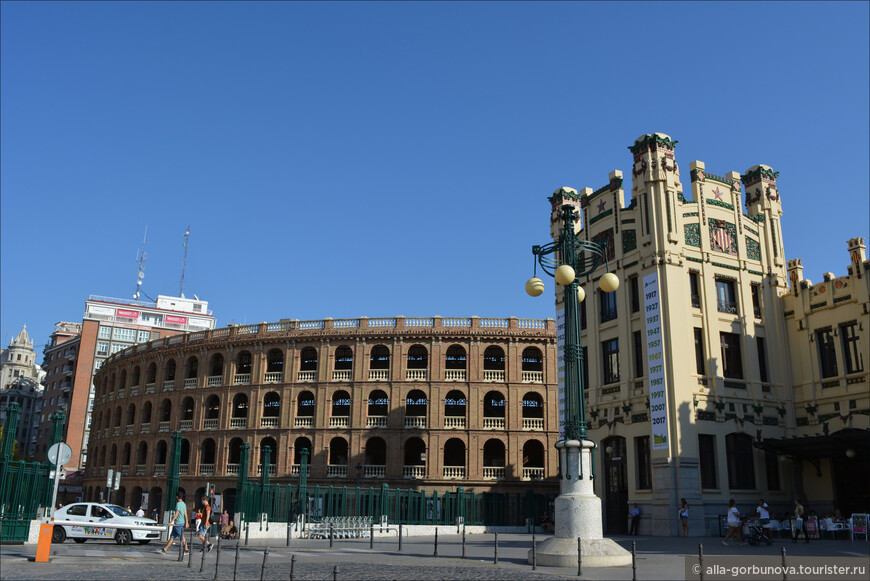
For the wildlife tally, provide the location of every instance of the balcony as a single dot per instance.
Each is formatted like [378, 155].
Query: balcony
[125, 469]
[416, 374]
[122, 393]
[454, 375]
[414, 472]
[68, 369]
[210, 424]
[306, 376]
[140, 469]
[415, 422]
[238, 423]
[454, 472]
[273, 470]
[375, 471]
[185, 425]
[295, 469]
[145, 428]
[493, 472]
[182, 469]
[452, 422]
[160, 470]
[71, 356]
[303, 422]
[338, 422]
[232, 469]
[269, 422]
[116, 431]
[242, 379]
[149, 388]
[493, 375]
[376, 422]
[727, 307]
[379, 374]
[533, 473]
[533, 423]
[65, 385]
[129, 430]
[134, 390]
[343, 375]
[493, 423]
[206, 469]
[533, 377]
[757, 312]
[162, 426]
[273, 377]
[169, 385]
[214, 380]
[336, 470]
[190, 383]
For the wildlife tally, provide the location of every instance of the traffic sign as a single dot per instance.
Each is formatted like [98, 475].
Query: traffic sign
[59, 454]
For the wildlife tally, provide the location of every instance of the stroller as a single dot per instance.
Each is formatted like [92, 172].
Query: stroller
[756, 534]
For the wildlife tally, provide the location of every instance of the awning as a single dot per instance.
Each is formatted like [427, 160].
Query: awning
[817, 447]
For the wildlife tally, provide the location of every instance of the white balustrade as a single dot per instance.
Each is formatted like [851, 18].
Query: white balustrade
[493, 472]
[336, 470]
[210, 424]
[145, 429]
[379, 374]
[341, 375]
[375, 471]
[232, 469]
[140, 469]
[185, 425]
[122, 393]
[125, 469]
[162, 426]
[416, 374]
[239, 423]
[306, 375]
[149, 388]
[533, 423]
[160, 470]
[134, 390]
[169, 385]
[376, 422]
[269, 422]
[415, 422]
[493, 423]
[129, 430]
[295, 469]
[303, 421]
[493, 375]
[454, 421]
[273, 470]
[338, 422]
[214, 380]
[415, 472]
[533, 473]
[190, 383]
[182, 469]
[273, 377]
[454, 375]
[242, 379]
[116, 431]
[206, 469]
[533, 377]
[454, 472]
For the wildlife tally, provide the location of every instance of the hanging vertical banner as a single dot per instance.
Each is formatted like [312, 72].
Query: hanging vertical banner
[658, 401]
[560, 358]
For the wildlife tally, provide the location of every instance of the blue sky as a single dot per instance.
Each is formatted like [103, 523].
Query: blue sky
[378, 159]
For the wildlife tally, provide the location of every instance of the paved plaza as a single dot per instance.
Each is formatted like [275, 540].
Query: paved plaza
[657, 558]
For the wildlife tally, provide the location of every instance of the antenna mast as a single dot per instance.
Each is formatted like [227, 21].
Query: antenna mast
[184, 264]
[141, 270]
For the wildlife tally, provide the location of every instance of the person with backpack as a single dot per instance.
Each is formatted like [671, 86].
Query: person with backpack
[206, 522]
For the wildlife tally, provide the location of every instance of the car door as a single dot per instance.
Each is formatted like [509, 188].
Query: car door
[76, 512]
[98, 515]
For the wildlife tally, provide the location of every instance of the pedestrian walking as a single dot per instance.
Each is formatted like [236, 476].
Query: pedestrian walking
[799, 524]
[179, 517]
[635, 517]
[734, 523]
[684, 517]
[204, 524]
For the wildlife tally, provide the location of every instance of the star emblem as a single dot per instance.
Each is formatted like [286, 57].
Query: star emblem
[717, 193]
[600, 206]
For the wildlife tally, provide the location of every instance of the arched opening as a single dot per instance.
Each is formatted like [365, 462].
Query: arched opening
[187, 407]
[379, 363]
[207, 457]
[122, 381]
[414, 458]
[454, 459]
[239, 418]
[145, 420]
[126, 452]
[271, 410]
[216, 370]
[454, 409]
[416, 408]
[455, 363]
[131, 416]
[273, 456]
[274, 366]
[300, 444]
[184, 456]
[304, 410]
[243, 362]
[343, 364]
[493, 460]
[533, 411]
[136, 377]
[493, 411]
[234, 456]
[155, 499]
[165, 415]
[375, 458]
[340, 409]
[493, 364]
[337, 464]
[418, 363]
[213, 409]
[378, 407]
[533, 365]
[136, 499]
[160, 456]
[116, 420]
[308, 360]
[191, 368]
[169, 373]
[141, 458]
[613, 450]
[113, 456]
[112, 383]
[151, 375]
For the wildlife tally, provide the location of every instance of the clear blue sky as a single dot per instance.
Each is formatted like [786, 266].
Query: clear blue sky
[378, 159]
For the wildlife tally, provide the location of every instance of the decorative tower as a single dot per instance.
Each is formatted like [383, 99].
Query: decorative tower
[795, 274]
[656, 186]
[762, 199]
[858, 254]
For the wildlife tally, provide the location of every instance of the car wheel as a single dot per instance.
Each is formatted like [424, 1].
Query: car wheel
[123, 537]
[143, 542]
[58, 535]
[80, 541]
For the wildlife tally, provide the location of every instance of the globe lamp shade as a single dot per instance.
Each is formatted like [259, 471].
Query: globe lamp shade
[565, 275]
[609, 282]
[534, 286]
[581, 294]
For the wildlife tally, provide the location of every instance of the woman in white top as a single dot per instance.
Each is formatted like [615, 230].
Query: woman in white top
[733, 523]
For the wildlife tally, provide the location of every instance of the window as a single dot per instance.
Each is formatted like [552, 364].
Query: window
[644, 470]
[584, 368]
[707, 456]
[637, 337]
[104, 332]
[98, 363]
[852, 356]
[762, 359]
[583, 315]
[771, 466]
[694, 290]
[741, 462]
[118, 347]
[726, 300]
[700, 359]
[756, 300]
[143, 336]
[827, 353]
[610, 360]
[102, 348]
[123, 334]
[606, 306]
[732, 365]
[635, 294]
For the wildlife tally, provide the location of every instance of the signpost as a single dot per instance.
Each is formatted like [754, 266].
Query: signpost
[59, 454]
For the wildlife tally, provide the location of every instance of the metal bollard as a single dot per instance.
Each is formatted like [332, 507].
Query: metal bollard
[400, 537]
[435, 554]
[701, 561]
[335, 573]
[217, 561]
[330, 535]
[495, 555]
[463, 542]
[633, 561]
[204, 551]
[579, 557]
[293, 568]
[372, 535]
[236, 566]
[783, 565]
[263, 566]
[180, 547]
[534, 553]
[247, 532]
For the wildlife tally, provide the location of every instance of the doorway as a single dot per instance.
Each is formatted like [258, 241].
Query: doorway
[615, 486]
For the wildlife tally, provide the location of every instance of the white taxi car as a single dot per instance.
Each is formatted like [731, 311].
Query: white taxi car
[101, 514]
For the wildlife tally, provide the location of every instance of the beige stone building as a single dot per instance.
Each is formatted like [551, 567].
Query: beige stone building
[706, 309]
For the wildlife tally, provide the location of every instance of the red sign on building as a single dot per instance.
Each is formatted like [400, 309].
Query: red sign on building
[128, 314]
[174, 319]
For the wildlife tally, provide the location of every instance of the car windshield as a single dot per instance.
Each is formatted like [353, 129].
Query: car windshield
[118, 510]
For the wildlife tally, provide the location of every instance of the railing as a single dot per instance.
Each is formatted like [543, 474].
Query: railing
[376, 422]
[454, 472]
[149, 388]
[388, 322]
[375, 471]
[757, 312]
[493, 375]
[415, 422]
[273, 470]
[493, 423]
[232, 469]
[214, 380]
[160, 470]
[129, 430]
[696, 301]
[493, 472]
[182, 469]
[336, 470]
[727, 307]
[379, 374]
[454, 421]
[190, 383]
[185, 425]
[533, 377]
[125, 469]
[105, 432]
[338, 421]
[145, 428]
[531, 323]
[116, 431]
[303, 422]
[134, 390]
[273, 377]
[456, 322]
[295, 469]
[140, 469]
[533, 423]
[162, 426]
[269, 422]
[493, 323]
[533, 473]
[210, 424]
[122, 393]
[306, 376]
[341, 375]
[416, 374]
[454, 375]
[238, 423]
[206, 469]
[169, 385]
[414, 472]
[242, 379]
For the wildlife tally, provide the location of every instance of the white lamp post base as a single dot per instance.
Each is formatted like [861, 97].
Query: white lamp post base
[578, 515]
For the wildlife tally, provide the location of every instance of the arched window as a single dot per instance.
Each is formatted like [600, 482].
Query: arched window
[343, 358]
[533, 411]
[142, 455]
[234, 456]
[213, 408]
[136, 376]
[112, 383]
[169, 371]
[493, 460]
[271, 410]
[191, 368]
[160, 453]
[416, 408]
[493, 405]
[207, 456]
[454, 409]
[216, 369]
[298, 445]
[338, 452]
[379, 363]
[379, 404]
[117, 418]
[146, 414]
[376, 458]
[340, 409]
[533, 365]
[415, 454]
[454, 363]
[273, 456]
[239, 418]
[493, 358]
[243, 362]
[454, 459]
[126, 451]
[113, 456]
[533, 460]
[122, 381]
[184, 458]
[151, 375]
[165, 411]
[308, 359]
[187, 407]
[305, 407]
[274, 366]
[418, 358]
[741, 461]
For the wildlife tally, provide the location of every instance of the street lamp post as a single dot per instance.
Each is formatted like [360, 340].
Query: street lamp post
[577, 509]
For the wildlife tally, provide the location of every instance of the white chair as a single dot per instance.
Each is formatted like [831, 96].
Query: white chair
[831, 527]
[858, 525]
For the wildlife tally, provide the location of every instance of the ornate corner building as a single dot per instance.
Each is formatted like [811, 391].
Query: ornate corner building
[430, 403]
